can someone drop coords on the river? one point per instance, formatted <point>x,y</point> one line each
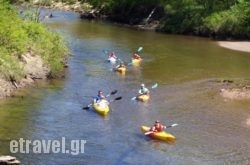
<point>211,130</point>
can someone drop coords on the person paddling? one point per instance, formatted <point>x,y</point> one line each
<point>136,56</point>
<point>112,55</point>
<point>100,96</point>
<point>143,90</point>
<point>158,127</point>
<point>100,99</point>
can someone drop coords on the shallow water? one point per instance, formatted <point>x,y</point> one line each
<point>211,130</point>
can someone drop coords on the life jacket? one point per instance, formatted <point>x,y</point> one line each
<point>159,127</point>
<point>112,55</point>
<point>136,56</point>
<point>99,97</point>
<point>143,91</point>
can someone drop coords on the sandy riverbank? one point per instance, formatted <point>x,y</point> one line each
<point>239,45</point>
<point>236,93</point>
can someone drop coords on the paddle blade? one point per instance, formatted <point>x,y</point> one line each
<point>85,108</point>
<point>118,98</point>
<point>173,125</point>
<point>133,98</point>
<point>113,92</point>
<point>154,86</point>
<point>139,49</point>
<point>105,52</point>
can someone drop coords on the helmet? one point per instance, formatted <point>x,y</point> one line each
<point>142,85</point>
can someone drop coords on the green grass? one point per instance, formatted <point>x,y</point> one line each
<point>18,36</point>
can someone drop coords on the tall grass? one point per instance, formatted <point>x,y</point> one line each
<point>18,36</point>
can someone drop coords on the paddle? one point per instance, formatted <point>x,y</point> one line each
<point>111,93</point>
<point>152,87</point>
<point>139,49</point>
<point>150,132</point>
<point>105,52</point>
<point>118,98</point>
<point>87,108</point>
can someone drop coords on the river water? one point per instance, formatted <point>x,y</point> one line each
<point>188,70</point>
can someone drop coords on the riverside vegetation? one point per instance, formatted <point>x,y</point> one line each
<point>28,50</point>
<point>219,19</point>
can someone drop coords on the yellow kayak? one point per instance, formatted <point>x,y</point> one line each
<point>101,107</point>
<point>121,70</point>
<point>158,135</point>
<point>143,98</point>
<point>136,61</point>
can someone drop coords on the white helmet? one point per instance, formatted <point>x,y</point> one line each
<point>142,85</point>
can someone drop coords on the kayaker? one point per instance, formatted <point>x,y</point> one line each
<point>103,102</point>
<point>112,55</point>
<point>143,90</point>
<point>100,96</point>
<point>136,56</point>
<point>158,127</point>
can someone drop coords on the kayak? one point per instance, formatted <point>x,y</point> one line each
<point>136,61</point>
<point>112,60</point>
<point>158,135</point>
<point>101,107</point>
<point>121,70</point>
<point>143,98</point>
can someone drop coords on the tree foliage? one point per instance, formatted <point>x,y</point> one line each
<point>217,18</point>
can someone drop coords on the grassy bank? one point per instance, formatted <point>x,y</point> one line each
<point>19,36</point>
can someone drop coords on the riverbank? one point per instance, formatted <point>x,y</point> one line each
<point>242,91</point>
<point>8,87</point>
<point>33,53</point>
<point>34,69</point>
<point>239,46</point>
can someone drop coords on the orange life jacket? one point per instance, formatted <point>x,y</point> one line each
<point>159,127</point>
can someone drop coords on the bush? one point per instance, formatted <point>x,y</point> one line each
<point>17,36</point>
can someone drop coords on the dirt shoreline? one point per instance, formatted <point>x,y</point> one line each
<point>34,69</point>
<point>242,92</point>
